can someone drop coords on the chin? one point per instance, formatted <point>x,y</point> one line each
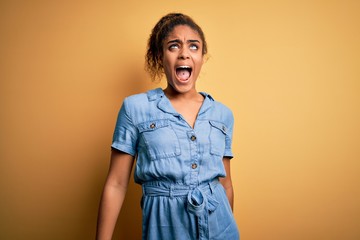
<point>183,87</point>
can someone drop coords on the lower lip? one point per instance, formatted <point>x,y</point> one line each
<point>183,81</point>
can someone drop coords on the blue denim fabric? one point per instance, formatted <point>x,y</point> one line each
<point>171,155</point>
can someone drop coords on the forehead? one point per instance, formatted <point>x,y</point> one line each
<point>183,32</point>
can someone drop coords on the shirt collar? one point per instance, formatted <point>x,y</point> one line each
<point>165,105</point>
<point>155,94</point>
<point>159,93</point>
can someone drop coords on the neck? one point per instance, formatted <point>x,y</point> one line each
<point>171,93</point>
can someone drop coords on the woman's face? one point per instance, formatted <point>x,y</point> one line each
<point>182,58</point>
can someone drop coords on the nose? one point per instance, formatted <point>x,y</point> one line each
<point>184,54</point>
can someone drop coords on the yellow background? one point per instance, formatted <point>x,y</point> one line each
<point>289,70</point>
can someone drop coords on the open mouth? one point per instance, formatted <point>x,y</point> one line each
<point>183,72</point>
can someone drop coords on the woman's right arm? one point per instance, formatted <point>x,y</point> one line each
<point>114,193</point>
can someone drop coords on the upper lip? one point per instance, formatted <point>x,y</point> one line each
<point>183,66</point>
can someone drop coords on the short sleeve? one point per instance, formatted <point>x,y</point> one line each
<point>229,134</point>
<point>125,135</point>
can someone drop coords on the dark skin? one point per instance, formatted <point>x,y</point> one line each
<point>183,47</point>
<point>114,193</point>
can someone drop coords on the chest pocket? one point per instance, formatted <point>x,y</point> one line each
<point>159,138</point>
<point>218,132</point>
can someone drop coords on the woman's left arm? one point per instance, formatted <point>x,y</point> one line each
<point>227,183</point>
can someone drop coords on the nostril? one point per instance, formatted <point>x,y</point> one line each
<point>184,56</point>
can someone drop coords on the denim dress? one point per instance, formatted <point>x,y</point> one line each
<point>178,166</point>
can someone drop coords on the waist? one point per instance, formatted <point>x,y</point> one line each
<point>169,189</point>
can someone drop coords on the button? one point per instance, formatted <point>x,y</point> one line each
<point>194,166</point>
<point>193,138</point>
<point>152,125</point>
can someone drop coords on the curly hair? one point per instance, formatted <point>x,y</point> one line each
<point>154,54</point>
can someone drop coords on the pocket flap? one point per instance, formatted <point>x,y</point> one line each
<point>152,125</point>
<point>219,126</point>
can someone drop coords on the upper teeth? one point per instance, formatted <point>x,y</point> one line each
<point>184,67</point>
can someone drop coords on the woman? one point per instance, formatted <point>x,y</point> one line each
<point>182,141</point>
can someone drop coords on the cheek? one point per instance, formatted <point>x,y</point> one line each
<point>165,62</point>
<point>199,61</point>
<point>167,67</point>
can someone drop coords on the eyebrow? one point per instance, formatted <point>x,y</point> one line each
<point>179,41</point>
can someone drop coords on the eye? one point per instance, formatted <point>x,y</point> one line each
<point>174,46</point>
<point>194,47</point>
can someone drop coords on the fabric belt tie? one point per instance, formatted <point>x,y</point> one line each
<point>200,201</point>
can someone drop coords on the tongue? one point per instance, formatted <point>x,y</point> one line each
<point>183,74</point>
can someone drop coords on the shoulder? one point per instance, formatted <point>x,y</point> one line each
<point>220,110</point>
<point>142,105</point>
<point>142,98</point>
<point>135,99</point>
<point>219,106</point>
<point>224,112</point>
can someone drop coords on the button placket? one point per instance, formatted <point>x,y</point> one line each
<point>194,155</point>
